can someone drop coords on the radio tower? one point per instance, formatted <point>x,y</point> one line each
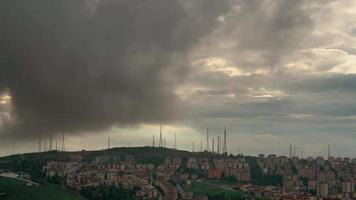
<point>213,146</point>
<point>175,140</point>
<point>160,137</point>
<point>50,143</point>
<point>45,144</point>
<point>201,145</point>
<point>39,144</point>
<point>59,142</point>
<point>207,139</point>
<point>224,146</point>
<point>218,145</point>
<point>290,150</point>
<point>63,147</point>
<point>193,146</point>
<point>109,143</point>
<point>153,141</point>
<point>328,150</point>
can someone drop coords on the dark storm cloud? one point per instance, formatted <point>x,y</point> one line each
<point>84,65</point>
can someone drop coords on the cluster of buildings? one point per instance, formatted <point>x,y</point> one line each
<point>237,168</point>
<point>149,181</point>
<point>163,175</point>
<point>274,192</point>
<point>105,171</point>
<point>318,177</point>
<point>310,178</point>
<point>219,168</point>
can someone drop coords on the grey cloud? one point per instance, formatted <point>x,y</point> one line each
<point>72,66</point>
<point>320,83</point>
<point>262,33</point>
<point>321,98</point>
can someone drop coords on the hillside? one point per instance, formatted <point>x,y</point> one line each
<point>142,155</point>
<point>33,162</point>
<point>18,190</point>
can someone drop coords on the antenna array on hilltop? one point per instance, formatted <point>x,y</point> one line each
<point>44,145</point>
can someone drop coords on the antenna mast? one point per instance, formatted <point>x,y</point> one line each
<point>160,136</point>
<point>63,148</point>
<point>50,143</point>
<point>213,146</point>
<point>201,145</point>
<point>39,144</point>
<point>218,145</point>
<point>224,146</point>
<point>193,146</point>
<point>175,140</point>
<point>207,139</point>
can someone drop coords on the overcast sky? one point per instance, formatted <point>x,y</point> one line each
<point>270,71</point>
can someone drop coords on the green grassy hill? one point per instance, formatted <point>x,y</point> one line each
<point>138,152</point>
<point>17,190</point>
<point>211,189</point>
<point>33,162</point>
